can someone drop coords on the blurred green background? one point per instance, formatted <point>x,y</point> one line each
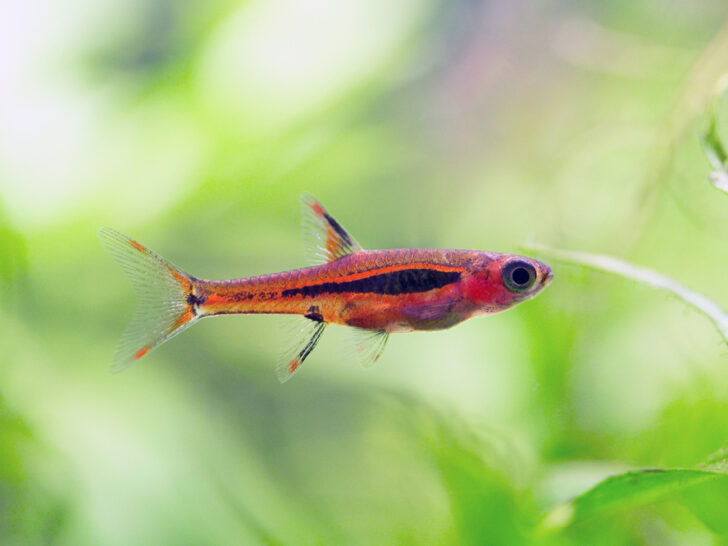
<point>194,127</point>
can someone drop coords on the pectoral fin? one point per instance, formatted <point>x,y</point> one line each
<point>369,345</point>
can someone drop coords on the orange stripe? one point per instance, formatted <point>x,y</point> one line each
<point>332,242</point>
<point>317,209</point>
<point>187,316</point>
<point>385,269</point>
<point>141,352</point>
<point>181,279</point>
<point>226,294</point>
<point>136,245</point>
<point>212,299</point>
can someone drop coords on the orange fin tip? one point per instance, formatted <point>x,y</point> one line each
<point>141,352</point>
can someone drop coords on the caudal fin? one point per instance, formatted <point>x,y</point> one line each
<point>163,290</point>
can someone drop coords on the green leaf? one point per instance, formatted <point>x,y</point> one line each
<point>701,490</point>
<point>713,146</point>
<point>708,502</point>
<point>716,154</point>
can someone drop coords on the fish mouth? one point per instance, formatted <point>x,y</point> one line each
<point>547,279</point>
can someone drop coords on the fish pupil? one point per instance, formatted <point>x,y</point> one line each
<point>520,276</point>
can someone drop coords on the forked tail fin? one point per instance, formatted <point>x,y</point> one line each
<point>163,289</point>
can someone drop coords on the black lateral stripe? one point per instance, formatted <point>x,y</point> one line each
<point>406,281</point>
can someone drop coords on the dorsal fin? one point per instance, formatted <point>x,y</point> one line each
<point>326,240</point>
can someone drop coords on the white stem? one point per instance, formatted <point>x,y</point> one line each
<point>643,275</point>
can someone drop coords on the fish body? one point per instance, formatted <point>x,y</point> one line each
<point>399,290</point>
<point>374,291</point>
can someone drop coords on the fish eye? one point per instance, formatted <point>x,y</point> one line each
<point>518,276</point>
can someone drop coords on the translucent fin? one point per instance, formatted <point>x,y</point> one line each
<point>308,333</point>
<point>163,290</point>
<point>325,239</point>
<point>369,345</point>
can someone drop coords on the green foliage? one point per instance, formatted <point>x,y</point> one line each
<point>194,128</point>
<point>713,146</point>
<point>641,487</point>
<point>703,490</point>
<point>14,255</point>
<point>32,510</point>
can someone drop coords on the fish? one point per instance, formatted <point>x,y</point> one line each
<point>373,292</point>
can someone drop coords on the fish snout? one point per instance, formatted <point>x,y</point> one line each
<point>547,276</point>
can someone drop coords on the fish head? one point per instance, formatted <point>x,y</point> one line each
<point>503,280</point>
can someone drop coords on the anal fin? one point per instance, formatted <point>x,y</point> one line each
<point>308,335</point>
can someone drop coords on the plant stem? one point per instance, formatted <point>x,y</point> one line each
<point>609,264</point>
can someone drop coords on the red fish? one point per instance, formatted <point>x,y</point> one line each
<point>376,292</point>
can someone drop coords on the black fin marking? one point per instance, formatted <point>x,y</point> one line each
<point>309,332</point>
<point>325,239</point>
